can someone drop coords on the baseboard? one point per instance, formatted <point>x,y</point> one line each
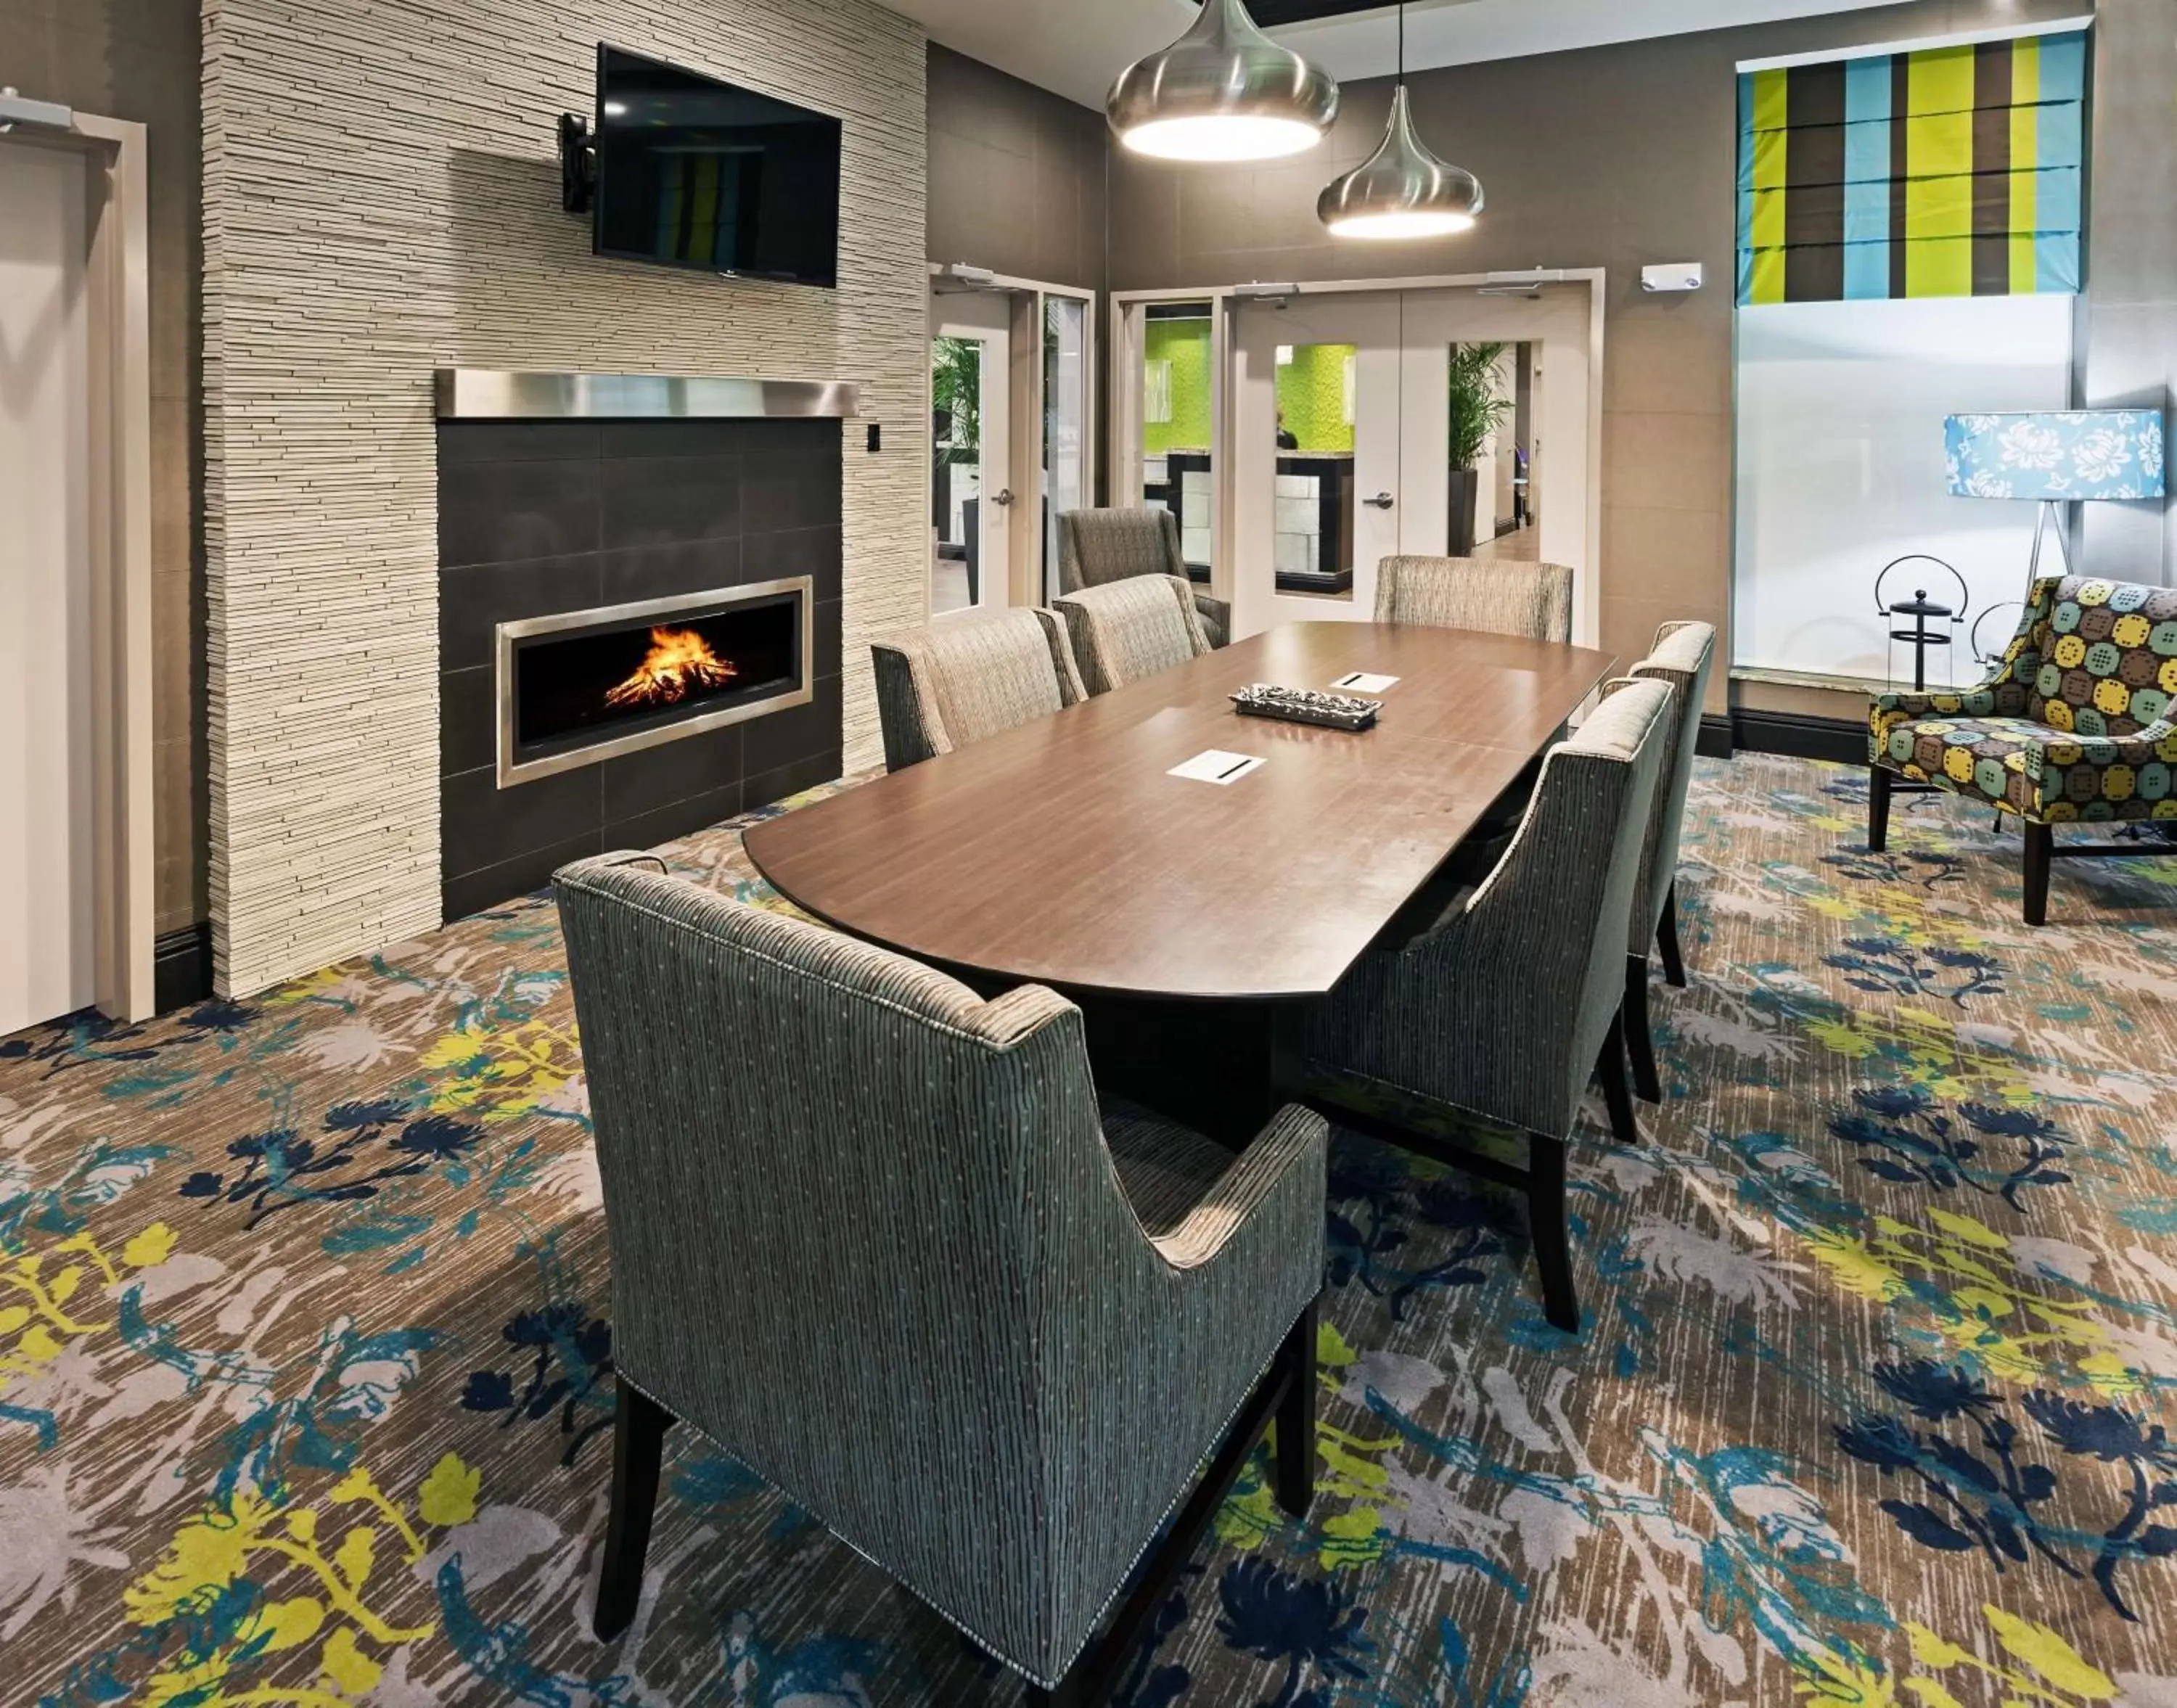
<point>1715,740</point>
<point>1840,741</point>
<point>181,967</point>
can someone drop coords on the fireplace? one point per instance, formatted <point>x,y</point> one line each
<point>580,687</point>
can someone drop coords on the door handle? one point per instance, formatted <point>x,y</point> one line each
<point>1004,495</point>
<point>1383,501</point>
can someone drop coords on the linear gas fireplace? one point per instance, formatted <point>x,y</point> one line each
<point>581,687</point>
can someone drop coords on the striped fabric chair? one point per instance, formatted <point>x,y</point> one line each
<point>1494,595</point>
<point>1096,545</point>
<point>969,677</point>
<point>1504,1005</point>
<point>871,1236</point>
<point>1683,655</point>
<point>1125,631</point>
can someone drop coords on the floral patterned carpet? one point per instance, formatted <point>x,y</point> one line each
<point>305,1351</point>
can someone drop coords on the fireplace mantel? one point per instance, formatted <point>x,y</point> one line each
<point>497,394</point>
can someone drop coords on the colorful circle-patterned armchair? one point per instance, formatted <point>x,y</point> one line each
<point>2073,725</point>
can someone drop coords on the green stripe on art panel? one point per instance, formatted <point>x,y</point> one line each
<point>2026,157</point>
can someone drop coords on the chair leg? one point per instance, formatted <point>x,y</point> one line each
<point>1552,1237</point>
<point>1878,809</point>
<point>1296,1453</point>
<point>1667,941</point>
<point>2039,840</point>
<point>1617,1095</point>
<point>639,1426</point>
<point>1640,1039</point>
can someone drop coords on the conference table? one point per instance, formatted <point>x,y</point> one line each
<point>1192,920</point>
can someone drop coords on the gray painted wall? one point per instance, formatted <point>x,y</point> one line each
<point>1016,175</point>
<point>2131,357</point>
<point>1615,156</point>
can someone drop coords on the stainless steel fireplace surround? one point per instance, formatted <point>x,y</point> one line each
<point>513,769</point>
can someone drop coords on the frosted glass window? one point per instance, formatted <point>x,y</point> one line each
<point>1840,469</point>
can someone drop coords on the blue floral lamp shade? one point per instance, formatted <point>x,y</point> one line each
<point>2057,456</point>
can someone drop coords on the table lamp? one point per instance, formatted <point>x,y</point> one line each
<point>2054,457</point>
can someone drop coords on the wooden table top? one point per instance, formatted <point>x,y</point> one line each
<point>1061,852</point>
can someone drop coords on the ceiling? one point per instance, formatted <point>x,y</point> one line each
<point>1078,46</point>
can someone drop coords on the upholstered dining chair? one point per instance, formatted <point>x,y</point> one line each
<point>1495,595</point>
<point>871,1236</point>
<point>1682,656</point>
<point>1096,545</point>
<point>1125,631</point>
<point>1505,1005</point>
<point>969,677</point>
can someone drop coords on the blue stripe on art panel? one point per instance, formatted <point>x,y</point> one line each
<point>1867,188</point>
<point>2056,270</point>
<point>2064,68</point>
<point>1745,142</point>
<point>2060,127</point>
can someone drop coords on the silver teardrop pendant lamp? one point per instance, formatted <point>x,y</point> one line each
<point>1223,91</point>
<point>1401,190</point>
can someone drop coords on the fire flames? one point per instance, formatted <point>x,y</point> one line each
<point>679,663</point>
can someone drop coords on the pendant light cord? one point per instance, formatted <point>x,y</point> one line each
<point>1402,43</point>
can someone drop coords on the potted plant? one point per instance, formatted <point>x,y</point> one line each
<point>1477,412</point>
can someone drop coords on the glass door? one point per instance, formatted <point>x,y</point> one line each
<point>971,412</point>
<point>1317,501</point>
<point>1066,484</point>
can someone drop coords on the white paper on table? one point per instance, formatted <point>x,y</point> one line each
<point>1217,766</point>
<point>1360,682</point>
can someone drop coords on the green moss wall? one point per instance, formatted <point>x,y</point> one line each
<point>1186,345</point>
<point>1312,395</point>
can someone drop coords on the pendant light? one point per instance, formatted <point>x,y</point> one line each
<point>1223,91</point>
<point>1401,190</point>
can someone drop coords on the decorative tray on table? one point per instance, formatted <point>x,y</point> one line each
<point>1308,706</point>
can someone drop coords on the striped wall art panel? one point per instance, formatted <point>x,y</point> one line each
<point>1949,171</point>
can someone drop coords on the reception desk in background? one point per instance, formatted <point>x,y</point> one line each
<point>1315,514</point>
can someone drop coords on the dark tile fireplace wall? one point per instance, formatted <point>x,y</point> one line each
<point>536,518</point>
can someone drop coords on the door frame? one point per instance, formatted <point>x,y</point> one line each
<point>1024,537</point>
<point>1126,426</point>
<point>118,272</point>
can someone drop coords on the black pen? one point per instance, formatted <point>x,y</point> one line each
<point>1230,769</point>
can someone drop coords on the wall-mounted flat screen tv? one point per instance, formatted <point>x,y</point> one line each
<point>694,172</point>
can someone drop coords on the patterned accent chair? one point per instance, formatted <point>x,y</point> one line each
<point>1125,631</point>
<point>1096,545</point>
<point>1493,595</point>
<point>1684,655</point>
<point>970,677</point>
<point>1504,1005</point>
<point>2071,726</point>
<point>871,1236</point>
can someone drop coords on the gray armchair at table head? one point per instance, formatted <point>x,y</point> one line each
<point>870,1236</point>
<point>1496,596</point>
<point>966,678</point>
<point>1682,658</point>
<point>1124,631</point>
<point>1507,1005</point>
<point>1096,545</point>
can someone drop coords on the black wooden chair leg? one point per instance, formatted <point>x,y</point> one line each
<point>1878,809</point>
<point>1617,1095</point>
<point>1666,941</point>
<point>1552,1236</point>
<point>2040,839</point>
<point>1297,1452</point>
<point>1640,1036</point>
<point>639,1426</point>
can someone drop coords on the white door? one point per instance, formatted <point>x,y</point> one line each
<point>1557,329</point>
<point>47,919</point>
<point>971,389</point>
<point>1316,500</point>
